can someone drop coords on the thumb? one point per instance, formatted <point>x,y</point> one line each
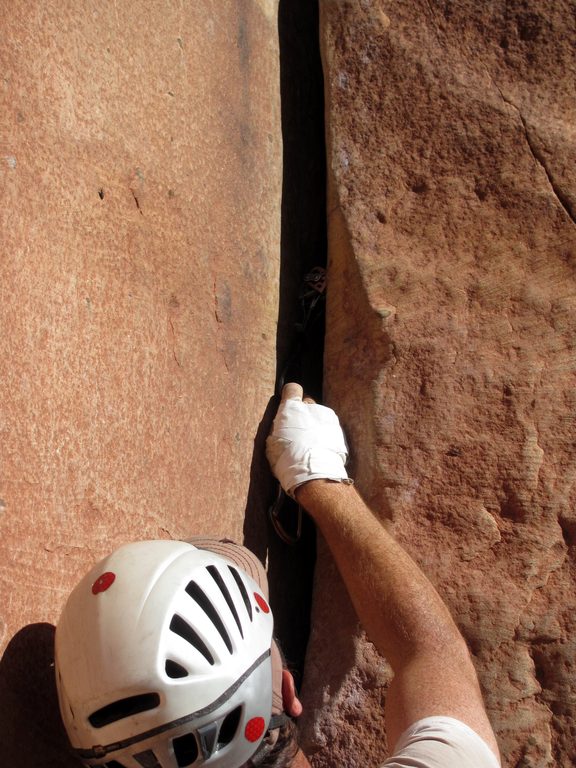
<point>292,391</point>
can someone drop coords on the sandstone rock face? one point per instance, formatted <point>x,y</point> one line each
<point>450,348</point>
<point>140,216</point>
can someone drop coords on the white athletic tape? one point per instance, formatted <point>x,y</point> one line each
<point>306,443</point>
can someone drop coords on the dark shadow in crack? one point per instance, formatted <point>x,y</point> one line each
<point>303,246</point>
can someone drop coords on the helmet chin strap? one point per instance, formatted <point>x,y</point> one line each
<point>268,743</point>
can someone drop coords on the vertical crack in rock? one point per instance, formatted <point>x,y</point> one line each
<point>303,235</point>
<point>222,299</point>
<point>137,203</point>
<point>538,155</point>
<point>215,294</point>
<point>303,246</point>
<point>178,363</point>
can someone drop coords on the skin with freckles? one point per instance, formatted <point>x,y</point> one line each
<point>404,616</point>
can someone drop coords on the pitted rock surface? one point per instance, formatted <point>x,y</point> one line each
<point>140,184</point>
<point>450,349</point>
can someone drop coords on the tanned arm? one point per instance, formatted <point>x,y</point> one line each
<point>402,613</point>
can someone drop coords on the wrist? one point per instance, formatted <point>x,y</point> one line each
<point>314,493</point>
<point>300,464</point>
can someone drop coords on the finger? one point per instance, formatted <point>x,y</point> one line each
<point>309,400</point>
<point>292,391</point>
<point>291,702</point>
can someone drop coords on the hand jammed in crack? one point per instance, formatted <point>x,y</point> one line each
<point>306,442</point>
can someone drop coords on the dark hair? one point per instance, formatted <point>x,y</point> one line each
<point>284,750</point>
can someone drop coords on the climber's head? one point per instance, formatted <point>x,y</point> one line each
<point>165,659</point>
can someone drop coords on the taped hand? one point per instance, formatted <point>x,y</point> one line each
<point>306,442</point>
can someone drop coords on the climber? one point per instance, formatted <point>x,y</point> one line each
<point>434,715</point>
<point>165,658</point>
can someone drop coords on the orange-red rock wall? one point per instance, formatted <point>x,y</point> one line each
<point>140,180</point>
<point>140,174</point>
<point>450,348</point>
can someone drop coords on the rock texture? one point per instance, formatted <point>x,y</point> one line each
<point>140,214</point>
<point>450,348</point>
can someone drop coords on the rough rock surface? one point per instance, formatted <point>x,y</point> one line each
<point>140,188</point>
<point>450,348</point>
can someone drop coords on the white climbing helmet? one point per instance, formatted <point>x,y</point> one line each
<point>163,661</point>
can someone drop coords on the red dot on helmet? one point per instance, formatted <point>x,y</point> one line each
<point>254,728</point>
<point>262,603</point>
<point>103,582</point>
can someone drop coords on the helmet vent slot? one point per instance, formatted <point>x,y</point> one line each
<point>175,670</point>
<point>229,727</point>
<point>213,571</point>
<point>114,764</point>
<point>123,708</point>
<point>182,628</point>
<point>242,588</point>
<point>185,749</point>
<point>204,602</point>
<point>147,759</point>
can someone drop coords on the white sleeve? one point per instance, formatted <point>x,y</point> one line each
<point>441,742</point>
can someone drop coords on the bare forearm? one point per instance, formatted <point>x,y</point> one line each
<point>397,605</point>
<point>402,613</point>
